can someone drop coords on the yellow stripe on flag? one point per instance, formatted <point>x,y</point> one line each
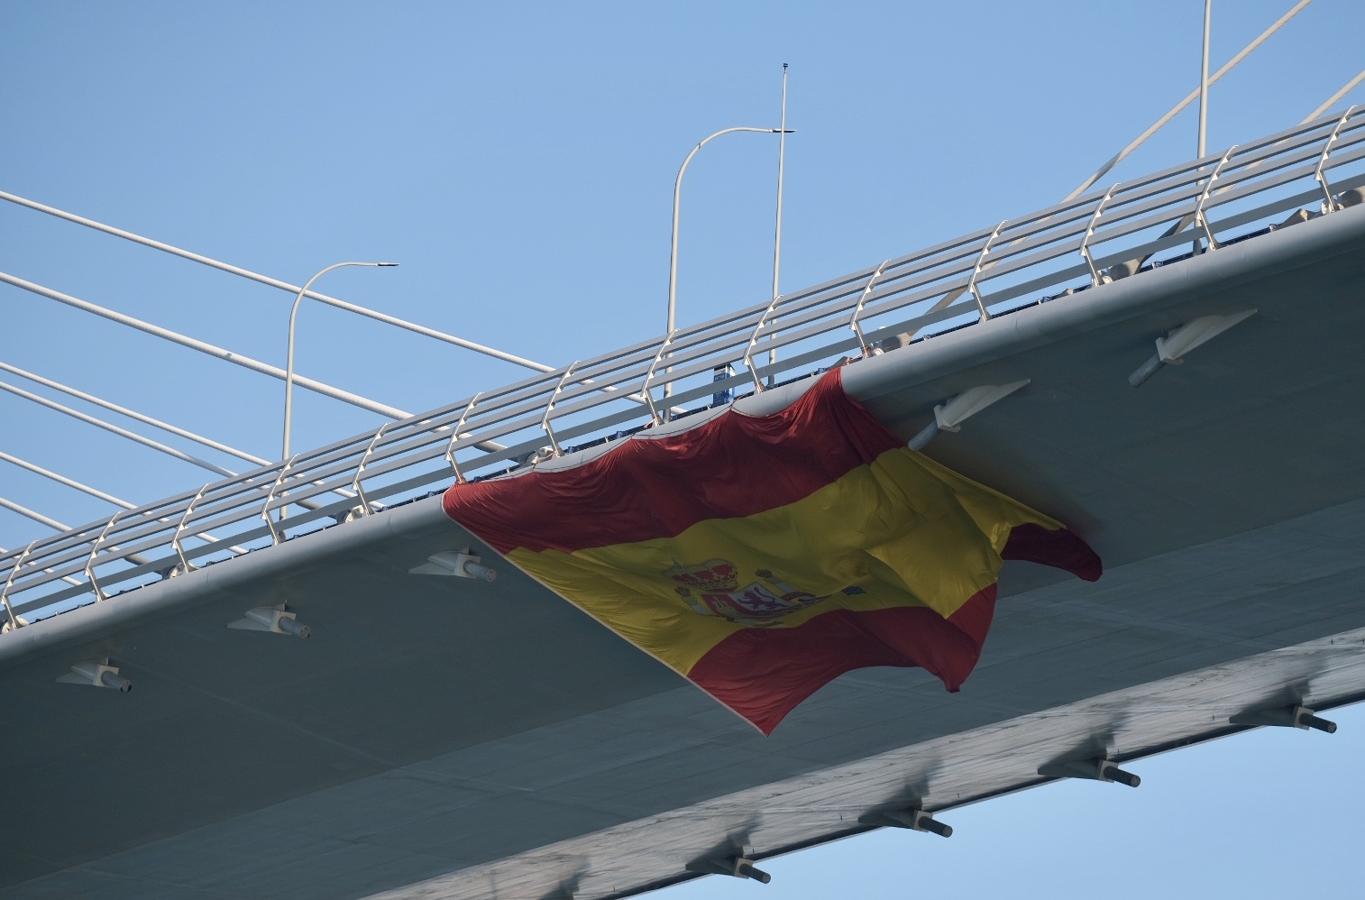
<point>900,531</point>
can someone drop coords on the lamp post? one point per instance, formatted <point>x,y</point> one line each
<point>1204,93</point>
<point>289,359</point>
<point>677,202</point>
<point>1204,81</point>
<point>777,228</point>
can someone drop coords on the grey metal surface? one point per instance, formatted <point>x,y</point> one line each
<point>445,738</point>
<point>981,275</point>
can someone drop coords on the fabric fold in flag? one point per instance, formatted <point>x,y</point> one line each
<point>763,556</point>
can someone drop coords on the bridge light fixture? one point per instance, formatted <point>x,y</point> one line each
<point>289,355</point>
<point>738,866</point>
<point>1172,349</point>
<point>950,415</point>
<point>95,673</point>
<point>1296,716</point>
<point>273,619</point>
<point>914,819</point>
<point>1101,769</point>
<point>455,564</point>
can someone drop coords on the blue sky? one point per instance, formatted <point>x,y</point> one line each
<point>518,161</point>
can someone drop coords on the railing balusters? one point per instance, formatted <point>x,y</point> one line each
<point>809,317</point>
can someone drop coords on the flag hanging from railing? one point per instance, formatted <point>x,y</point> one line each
<point>763,556</point>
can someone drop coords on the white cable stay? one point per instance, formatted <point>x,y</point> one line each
<point>1189,98</point>
<point>280,284</point>
<point>134,415</point>
<point>1332,100</point>
<point>115,429</point>
<point>1156,126</point>
<point>34,515</point>
<point>276,283</point>
<point>237,359</point>
<point>125,433</point>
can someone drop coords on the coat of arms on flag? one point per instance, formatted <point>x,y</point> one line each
<point>713,588</point>
<point>763,556</point>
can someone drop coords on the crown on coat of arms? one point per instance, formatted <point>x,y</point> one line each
<point>715,576</point>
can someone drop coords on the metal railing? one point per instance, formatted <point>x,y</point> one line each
<point>1044,256</point>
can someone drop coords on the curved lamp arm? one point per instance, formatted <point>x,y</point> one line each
<point>289,355</point>
<point>677,204</point>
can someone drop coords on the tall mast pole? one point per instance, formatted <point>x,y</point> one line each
<point>777,228</point>
<point>1204,92</point>
<point>1204,81</point>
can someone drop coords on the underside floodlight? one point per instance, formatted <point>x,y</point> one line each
<point>95,673</point>
<point>274,619</point>
<point>1094,769</point>
<point>914,819</point>
<point>455,564</point>
<point>1296,716</point>
<point>1172,349</point>
<point>734,866</point>
<point>949,416</point>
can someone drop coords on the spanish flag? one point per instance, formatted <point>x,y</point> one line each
<point>763,556</point>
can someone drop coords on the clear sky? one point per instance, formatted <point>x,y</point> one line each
<point>518,160</point>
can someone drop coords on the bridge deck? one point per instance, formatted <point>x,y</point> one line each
<point>463,740</point>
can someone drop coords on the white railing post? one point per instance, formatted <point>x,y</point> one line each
<point>1320,173</point>
<point>1095,278</point>
<point>853,322</point>
<point>94,550</point>
<point>275,533</point>
<point>976,270</point>
<point>753,341</point>
<point>549,408</point>
<point>455,436</point>
<point>1199,216</point>
<point>649,377</point>
<point>9,582</point>
<point>185,566</point>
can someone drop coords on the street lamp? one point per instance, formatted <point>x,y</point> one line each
<point>677,201</point>
<point>289,364</point>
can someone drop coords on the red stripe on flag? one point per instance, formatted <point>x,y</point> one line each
<point>763,673</point>
<point>1062,549</point>
<point>733,465</point>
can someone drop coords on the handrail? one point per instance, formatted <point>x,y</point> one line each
<point>550,408</point>
<point>980,275</point>
<point>854,325</point>
<point>1199,206</point>
<point>9,583</point>
<point>1322,161</point>
<point>94,551</point>
<point>1095,279</point>
<point>753,342</point>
